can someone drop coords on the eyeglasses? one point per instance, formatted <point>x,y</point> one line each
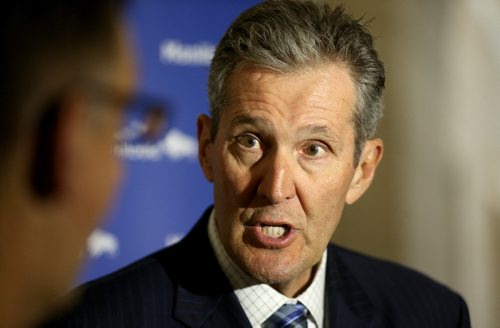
<point>144,118</point>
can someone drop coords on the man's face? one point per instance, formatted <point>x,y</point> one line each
<point>282,167</point>
<point>93,170</point>
<point>119,84</point>
<point>53,231</point>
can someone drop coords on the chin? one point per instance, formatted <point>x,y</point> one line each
<point>274,270</point>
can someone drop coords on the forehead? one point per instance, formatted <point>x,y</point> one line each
<point>126,63</point>
<point>324,92</point>
<point>121,69</point>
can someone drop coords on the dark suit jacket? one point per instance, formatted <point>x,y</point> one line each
<point>183,286</point>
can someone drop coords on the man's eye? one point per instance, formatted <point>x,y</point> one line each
<point>314,150</point>
<point>249,141</point>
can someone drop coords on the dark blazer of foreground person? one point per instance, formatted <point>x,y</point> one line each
<point>183,286</point>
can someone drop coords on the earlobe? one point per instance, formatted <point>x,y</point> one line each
<point>204,124</point>
<point>365,171</point>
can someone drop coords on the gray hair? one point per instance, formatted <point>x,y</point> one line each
<point>289,35</point>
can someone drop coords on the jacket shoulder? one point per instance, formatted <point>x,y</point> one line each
<point>384,273</point>
<point>138,295</point>
<point>401,293</point>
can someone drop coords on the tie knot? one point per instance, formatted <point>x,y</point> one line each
<point>289,316</point>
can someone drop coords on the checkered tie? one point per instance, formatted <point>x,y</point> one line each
<point>288,316</point>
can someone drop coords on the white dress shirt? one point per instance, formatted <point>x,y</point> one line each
<point>260,301</point>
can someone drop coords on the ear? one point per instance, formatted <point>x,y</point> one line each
<point>204,125</point>
<point>56,147</point>
<point>365,171</point>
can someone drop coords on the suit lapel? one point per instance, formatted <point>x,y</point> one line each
<point>196,310</point>
<point>204,297</point>
<point>347,303</point>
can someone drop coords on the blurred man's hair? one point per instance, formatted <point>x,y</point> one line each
<point>46,46</point>
<point>287,36</point>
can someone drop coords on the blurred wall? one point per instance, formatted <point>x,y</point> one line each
<point>435,204</point>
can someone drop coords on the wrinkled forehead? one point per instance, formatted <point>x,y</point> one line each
<point>317,98</point>
<point>327,86</point>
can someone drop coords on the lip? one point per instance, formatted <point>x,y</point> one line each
<point>254,236</point>
<point>270,221</point>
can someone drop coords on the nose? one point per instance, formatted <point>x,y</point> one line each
<point>277,181</point>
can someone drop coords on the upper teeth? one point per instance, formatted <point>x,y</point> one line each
<point>273,231</point>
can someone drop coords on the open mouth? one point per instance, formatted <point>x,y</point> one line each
<point>270,235</point>
<point>274,231</point>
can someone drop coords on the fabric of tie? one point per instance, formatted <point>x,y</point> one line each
<point>289,316</point>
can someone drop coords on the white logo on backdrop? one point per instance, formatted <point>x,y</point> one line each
<point>101,242</point>
<point>176,145</point>
<point>194,54</point>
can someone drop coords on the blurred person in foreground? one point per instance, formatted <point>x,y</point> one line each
<point>66,73</point>
<point>296,95</point>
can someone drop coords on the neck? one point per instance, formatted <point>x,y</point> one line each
<point>19,302</point>
<point>296,287</point>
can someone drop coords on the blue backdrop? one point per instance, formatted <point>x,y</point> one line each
<point>164,191</point>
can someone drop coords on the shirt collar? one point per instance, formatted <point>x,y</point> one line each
<point>260,301</point>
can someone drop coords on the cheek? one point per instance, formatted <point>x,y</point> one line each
<point>231,179</point>
<point>328,189</point>
<point>106,176</point>
<point>323,200</point>
<point>110,177</point>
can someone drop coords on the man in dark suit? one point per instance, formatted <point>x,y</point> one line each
<point>296,94</point>
<point>66,70</point>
